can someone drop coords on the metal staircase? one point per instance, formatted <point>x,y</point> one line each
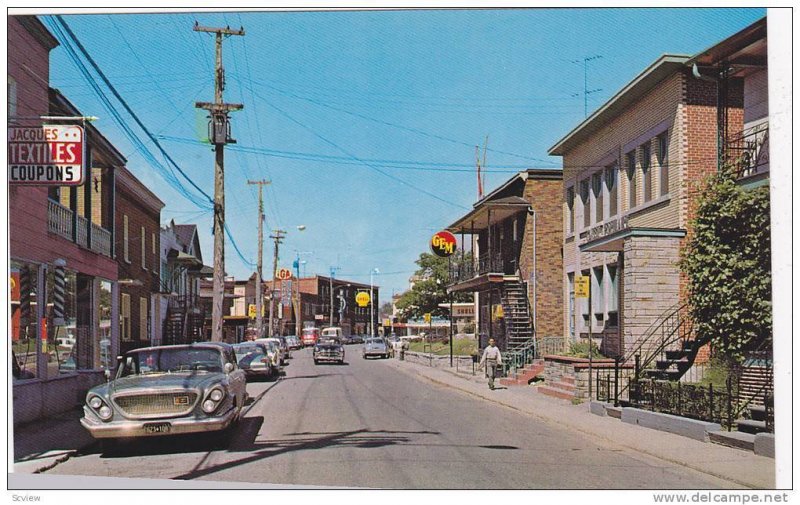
<point>183,324</point>
<point>520,333</point>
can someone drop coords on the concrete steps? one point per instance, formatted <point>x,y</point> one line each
<point>555,392</point>
<point>525,375</point>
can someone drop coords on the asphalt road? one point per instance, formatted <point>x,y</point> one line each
<point>365,424</point>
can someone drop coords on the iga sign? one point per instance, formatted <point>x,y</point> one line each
<point>47,155</point>
<point>443,244</point>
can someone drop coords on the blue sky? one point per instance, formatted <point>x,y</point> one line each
<point>366,122</point>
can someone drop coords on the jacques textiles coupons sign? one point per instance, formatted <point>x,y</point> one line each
<point>46,155</point>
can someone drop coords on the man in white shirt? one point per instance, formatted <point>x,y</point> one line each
<point>491,359</point>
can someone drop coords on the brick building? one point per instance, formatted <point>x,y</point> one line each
<point>632,175</point>
<point>58,359</point>
<point>515,240</point>
<point>314,305</point>
<point>138,220</point>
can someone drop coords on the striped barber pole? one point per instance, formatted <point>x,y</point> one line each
<point>24,297</point>
<point>59,287</point>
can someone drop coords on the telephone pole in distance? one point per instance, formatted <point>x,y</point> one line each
<point>278,238</point>
<point>259,273</point>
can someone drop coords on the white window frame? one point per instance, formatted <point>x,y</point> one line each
<point>125,248</point>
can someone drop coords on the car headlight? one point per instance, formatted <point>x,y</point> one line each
<point>98,405</point>
<point>213,400</point>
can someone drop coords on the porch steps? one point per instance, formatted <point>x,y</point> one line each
<point>555,392</point>
<point>525,375</point>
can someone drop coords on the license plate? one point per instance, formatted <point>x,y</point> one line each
<point>181,400</point>
<point>157,428</point>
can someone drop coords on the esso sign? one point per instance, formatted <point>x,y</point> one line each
<point>443,244</point>
<point>284,274</point>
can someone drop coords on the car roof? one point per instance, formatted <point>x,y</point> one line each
<point>195,345</point>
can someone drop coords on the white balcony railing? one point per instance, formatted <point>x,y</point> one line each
<point>101,240</point>
<point>83,231</point>
<point>59,221</point>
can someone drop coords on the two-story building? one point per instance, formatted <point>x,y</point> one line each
<point>56,357</point>
<point>514,236</point>
<point>138,217</point>
<point>633,172</point>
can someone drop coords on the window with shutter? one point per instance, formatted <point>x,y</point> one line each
<point>570,209</point>
<point>125,317</point>
<point>647,174</point>
<point>611,186</point>
<point>631,172</point>
<point>584,188</point>
<point>597,190</point>
<point>663,164</point>
<point>125,252</point>
<point>142,318</point>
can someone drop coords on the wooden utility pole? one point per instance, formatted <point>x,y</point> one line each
<point>259,276</point>
<point>278,238</point>
<point>219,134</point>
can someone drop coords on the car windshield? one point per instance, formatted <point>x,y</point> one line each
<point>374,341</point>
<point>171,360</point>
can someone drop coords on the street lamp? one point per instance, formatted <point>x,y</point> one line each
<point>372,303</point>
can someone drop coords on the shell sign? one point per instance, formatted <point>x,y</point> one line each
<point>443,244</point>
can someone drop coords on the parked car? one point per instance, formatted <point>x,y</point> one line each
<point>310,336</point>
<point>253,358</point>
<point>168,390</point>
<point>294,342</point>
<point>329,349</point>
<point>357,339</point>
<point>375,347</point>
<point>281,343</point>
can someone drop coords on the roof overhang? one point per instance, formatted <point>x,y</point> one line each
<point>479,283</point>
<point>747,47</point>
<point>615,242</point>
<point>489,212</point>
<point>659,70</point>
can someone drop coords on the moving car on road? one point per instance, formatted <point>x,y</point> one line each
<point>168,390</point>
<point>293,342</point>
<point>310,336</point>
<point>375,347</point>
<point>254,359</point>
<point>329,349</point>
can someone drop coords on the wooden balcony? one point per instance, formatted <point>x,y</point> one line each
<point>60,222</point>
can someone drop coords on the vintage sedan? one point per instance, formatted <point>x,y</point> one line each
<point>168,390</point>
<point>254,358</point>
<point>329,349</point>
<point>375,347</point>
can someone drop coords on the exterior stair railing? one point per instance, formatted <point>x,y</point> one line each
<point>518,353</point>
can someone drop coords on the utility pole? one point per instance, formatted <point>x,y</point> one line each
<point>278,238</point>
<point>259,276</point>
<point>586,91</point>
<point>333,272</point>
<point>219,134</point>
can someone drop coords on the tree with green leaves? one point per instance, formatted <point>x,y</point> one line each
<point>430,288</point>
<point>727,263</point>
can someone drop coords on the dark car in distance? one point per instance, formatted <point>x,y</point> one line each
<point>329,350</point>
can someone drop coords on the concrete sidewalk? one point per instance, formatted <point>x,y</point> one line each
<point>741,468</point>
<point>41,444</point>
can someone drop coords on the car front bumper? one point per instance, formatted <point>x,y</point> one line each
<point>329,357</point>
<point>136,428</point>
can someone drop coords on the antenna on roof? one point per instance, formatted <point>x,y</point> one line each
<point>479,165</point>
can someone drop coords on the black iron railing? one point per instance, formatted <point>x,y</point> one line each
<point>469,268</point>
<point>747,153</point>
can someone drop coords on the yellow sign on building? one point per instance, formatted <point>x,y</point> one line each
<point>581,286</point>
<point>427,317</point>
<point>251,311</point>
<point>362,299</point>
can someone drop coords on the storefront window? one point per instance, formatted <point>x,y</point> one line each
<point>23,280</point>
<point>571,298</point>
<point>103,354</point>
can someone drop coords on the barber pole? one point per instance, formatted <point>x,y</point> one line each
<point>59,286</point>
<point>24,297</point>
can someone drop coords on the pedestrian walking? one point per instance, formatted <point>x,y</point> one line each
<point>491,359</point>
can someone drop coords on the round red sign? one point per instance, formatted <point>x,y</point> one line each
<point>443,244</point>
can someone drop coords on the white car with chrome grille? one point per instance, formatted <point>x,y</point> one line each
<point>168,390</point>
